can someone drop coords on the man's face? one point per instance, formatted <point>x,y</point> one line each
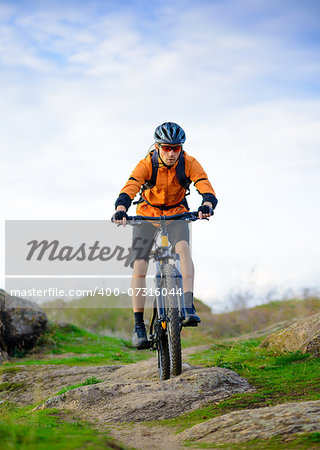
<point>169,153</point>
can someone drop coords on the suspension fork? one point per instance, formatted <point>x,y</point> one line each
<point>158,307</point>
<point>159,297</point>
<point>179,284</point>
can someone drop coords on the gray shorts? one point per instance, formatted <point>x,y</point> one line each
<point>144,235</point>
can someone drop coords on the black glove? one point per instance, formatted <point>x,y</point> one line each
<point>119,215</point>
<point>205,209</point>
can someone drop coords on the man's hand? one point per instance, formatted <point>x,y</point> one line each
<point>120,216</point>
<point>205,210</point>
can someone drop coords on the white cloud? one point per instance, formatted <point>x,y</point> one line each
<point>81,96</point>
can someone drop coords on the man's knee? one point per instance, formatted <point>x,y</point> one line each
<point>182,247</point>
<point>140,267</point>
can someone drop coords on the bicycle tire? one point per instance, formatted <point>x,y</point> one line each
<point>162,353</point>
<point>174,320</point>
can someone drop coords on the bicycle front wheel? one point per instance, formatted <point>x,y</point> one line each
<point>174,338</point>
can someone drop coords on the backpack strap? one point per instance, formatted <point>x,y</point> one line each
<point>152,182</point>
<point>184,181</point>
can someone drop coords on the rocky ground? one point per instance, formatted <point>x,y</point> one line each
<point>129,393</point>
<point>132,394</point>
<point>35,383</point>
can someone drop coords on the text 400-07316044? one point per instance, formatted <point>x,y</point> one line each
<point>139,291</point>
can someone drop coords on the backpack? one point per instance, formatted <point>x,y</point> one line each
<point>184,181</point>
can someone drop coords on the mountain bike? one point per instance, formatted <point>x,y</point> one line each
<point>169,307</point>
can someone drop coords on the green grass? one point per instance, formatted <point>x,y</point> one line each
<point>87,382</point>
<point>8,386</point>
<point>70,345</point>
<point>48,429</point>
<point>94,313</point>
<point>277,378</point>
<point>98,314</point>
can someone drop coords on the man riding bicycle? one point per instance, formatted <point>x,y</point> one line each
<point>164,175</point>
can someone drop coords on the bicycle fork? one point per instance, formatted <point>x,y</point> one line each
<point>179,284</point>
<point>156,329</point>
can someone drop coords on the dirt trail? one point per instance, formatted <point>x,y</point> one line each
<point>142,437</point>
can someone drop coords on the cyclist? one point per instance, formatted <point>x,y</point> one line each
<point>164,176</point>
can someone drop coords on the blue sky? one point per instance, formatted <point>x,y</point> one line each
<point>84,84</point>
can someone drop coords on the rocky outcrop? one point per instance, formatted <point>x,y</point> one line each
<point>303,335</point>
<point>3,353</point>
<point>134,396</point>
<point>264,423</point>
<point>35,383</point>
<point>21,323</point>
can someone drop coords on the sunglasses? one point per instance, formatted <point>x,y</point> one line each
<point>168,148</point>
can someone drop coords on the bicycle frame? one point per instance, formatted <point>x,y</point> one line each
<point>163,255</point>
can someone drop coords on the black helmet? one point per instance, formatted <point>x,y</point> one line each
<point>169,133</point>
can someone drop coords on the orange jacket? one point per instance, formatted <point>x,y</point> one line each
<point>167,190</point>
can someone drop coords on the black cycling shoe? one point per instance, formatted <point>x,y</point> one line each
<point>139,338</point>
<point>192,319</point>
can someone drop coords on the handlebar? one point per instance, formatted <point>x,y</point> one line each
<point>191,216</point>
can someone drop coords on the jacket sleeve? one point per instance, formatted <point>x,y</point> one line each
<point>200,180</point>
<point>140,174</point>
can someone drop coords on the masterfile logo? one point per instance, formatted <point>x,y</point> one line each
<point>42,247</point>
<point>48,259</point>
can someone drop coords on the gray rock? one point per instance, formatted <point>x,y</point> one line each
<point>133,394</point>
<point>21,323</point>
<point>263,423</point>
<point>35,383</point>
<point>3,356</point>
<point>303,335</point>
